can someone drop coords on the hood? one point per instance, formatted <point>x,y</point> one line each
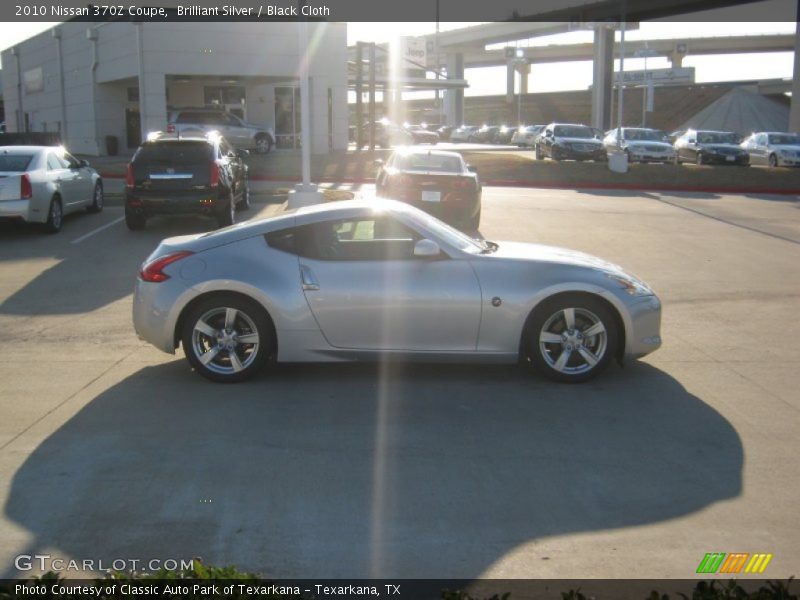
<point>552,254</point>
<point>640,143</point>
<point>579,140</point>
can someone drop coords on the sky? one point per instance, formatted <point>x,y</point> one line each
<point>569,75</point>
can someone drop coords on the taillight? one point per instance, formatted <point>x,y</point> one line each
<point>153,271</point>
<point>25,189</point>
<point>170,128</point>
<point>213,179</point>
<point>462,183</point>
<point>129,180</point>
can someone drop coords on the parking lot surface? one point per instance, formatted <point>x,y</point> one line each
<point>111,449</point>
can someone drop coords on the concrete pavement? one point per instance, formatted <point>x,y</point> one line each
<point>111,449</point>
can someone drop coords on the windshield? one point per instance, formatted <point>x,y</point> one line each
<point>443,231</point>
<point>15,163</point>
<point>715,137</point>
<point>785,139</point>
<point>429,162</point>
<point>642,135</point>
<point>573,131</point>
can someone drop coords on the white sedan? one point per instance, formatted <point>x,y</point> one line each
<point>41,184</point>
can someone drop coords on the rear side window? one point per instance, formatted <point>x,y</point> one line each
<point>199,118</point>
<point>177,153</point>
<point>15,163</point>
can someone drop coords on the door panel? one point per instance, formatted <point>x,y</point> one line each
<point>414,305</point>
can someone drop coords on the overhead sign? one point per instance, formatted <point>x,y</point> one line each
<point>657,76</point>
<point>413,50</point>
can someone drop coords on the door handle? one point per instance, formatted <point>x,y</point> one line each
<point>310,282</point>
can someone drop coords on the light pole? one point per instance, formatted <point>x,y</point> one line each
<point>519,62</point>
<point>647,88</point>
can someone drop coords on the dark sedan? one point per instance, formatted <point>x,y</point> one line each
<point>438,182</point>
<point>711,147</point>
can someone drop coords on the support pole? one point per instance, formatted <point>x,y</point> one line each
<point>359,95</point>
<point>794,107</point>
<point>372,97</point>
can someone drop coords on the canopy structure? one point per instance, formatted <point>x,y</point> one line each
<point>742,111</point>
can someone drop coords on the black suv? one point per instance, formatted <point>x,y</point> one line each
<point>173,174</point>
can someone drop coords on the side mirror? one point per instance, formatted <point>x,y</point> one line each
<point>241,153</point>
<point>472,168</point>
<point>426,248</point>
<point>378,162</point>
<point>548,134</point>
<point>83,163</point>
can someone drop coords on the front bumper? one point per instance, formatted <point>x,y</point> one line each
<point>644,333</point>
<point>651,156</point>
<point>570,152</point>
<point>726,159</point>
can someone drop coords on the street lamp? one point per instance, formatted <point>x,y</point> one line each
<point>519,61</point>
<point>648,85</point>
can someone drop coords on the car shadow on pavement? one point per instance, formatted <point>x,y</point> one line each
<point>353,470</point>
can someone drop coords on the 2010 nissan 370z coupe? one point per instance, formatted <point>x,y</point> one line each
<point>361,279</point>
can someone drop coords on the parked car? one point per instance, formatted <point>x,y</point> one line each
<point>438,182</point>
<point>640,144</point>
<point>772,148</point>
<point>41,184</point>
<point>421,135</point>
<point>388,134</point>
<point>237,132</point>
<point>487,134</point>
<point>526,135</point>
<point>444,132</point>
<point>711,147</point>
<point>504,135</point>
<point>561,141</point>
<point>363,279</point>
<point>465,133</point>
<point>171,174</point>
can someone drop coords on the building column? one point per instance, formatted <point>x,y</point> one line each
<point>603,77</point>
<point>454,99</point>
<point>510,82</point>
<point>794,107</point>
<point>524,71</point>
<point>152,89</point>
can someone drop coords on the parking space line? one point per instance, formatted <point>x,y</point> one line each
<point>98,230</point>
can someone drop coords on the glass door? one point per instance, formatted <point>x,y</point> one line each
<point>287,117</point>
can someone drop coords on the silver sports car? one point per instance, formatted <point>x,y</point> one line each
<point>363,279</point>
<point>41,184</point>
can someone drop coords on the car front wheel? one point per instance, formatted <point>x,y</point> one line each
<point>263,144</point>
<point>227,338</point>
<point>571,338</point>
<point>773,161</point>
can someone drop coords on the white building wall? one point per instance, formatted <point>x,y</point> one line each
<point>264,50</point>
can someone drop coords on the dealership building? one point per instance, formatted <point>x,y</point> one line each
<point>113,82</point>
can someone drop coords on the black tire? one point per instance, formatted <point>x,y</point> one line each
<point>699,159</point>
<point>134,221</point>
<point>263,143</point>
<point>474,221</point>
<point>221,337</point>
<point>227,212</point>
<point>550,319</point>
<point>98,198</point>
<point>55,216</point>
<point>773,161</point>
<point>244,201</point>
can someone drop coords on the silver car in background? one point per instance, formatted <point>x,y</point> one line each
<point>640,144</point>
<point>41,184</point>
<point>363,279</point>
<point>773,148</point>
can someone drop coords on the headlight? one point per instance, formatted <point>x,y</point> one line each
<point>631,285</point>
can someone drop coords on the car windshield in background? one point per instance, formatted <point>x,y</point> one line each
<point>573,131</point>
<point>181,153</point>
<point>15,163</point>
<point>712,137</point>
<point>429,162</point>
<point>785,139</point>
<point>642,135</point>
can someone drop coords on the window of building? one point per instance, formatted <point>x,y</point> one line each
<point>222,94</point>
<point>33,80</point>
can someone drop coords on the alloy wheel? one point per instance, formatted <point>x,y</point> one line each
<point>573,340</point>
<point>225,340</point>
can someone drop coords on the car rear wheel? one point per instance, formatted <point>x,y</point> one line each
<point>97,199</point>
<point>244,201</point>
<point>571,338</point>
<point>263,144</point>
<point>55,216</point>
<point>227,212</point>
<point>134,221</point>
<point>227,338</point>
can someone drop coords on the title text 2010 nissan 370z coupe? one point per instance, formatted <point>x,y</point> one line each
<point>362,279</point>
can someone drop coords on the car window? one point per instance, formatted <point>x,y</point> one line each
<point>714,137</point>
<point>429,162</point>
<point>15,163</point>
<point>363,238</point>
<point>642,135</point>
<point>174,153</point>
<point>72,162</point>
<point>784,138</point>
<point>54,163</point>
<point>574,131</point>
